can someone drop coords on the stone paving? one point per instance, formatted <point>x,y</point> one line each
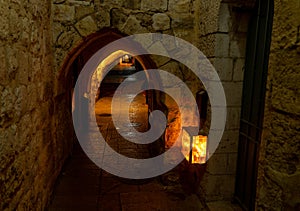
<point>84,186</point>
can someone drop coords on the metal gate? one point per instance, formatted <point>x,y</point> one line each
<point>255,77</point>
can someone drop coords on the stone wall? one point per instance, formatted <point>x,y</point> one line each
<point>74,20</point>
<point>30,154</point>
<point>279,167</point>
<point>218,28</point>
<point>223,31</point>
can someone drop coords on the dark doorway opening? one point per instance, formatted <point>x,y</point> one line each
<point>254,88</point>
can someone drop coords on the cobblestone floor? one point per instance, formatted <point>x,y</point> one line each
<point>84,186</point>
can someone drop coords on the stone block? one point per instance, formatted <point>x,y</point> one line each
<point>4,23</point>
<point>222,45</point>
<point>229,142</point>
<point>220,163</point>
<point>182,21</point>
<point>63,13</point>
<point>218,187</point>
<point>133,26</point>
<point>224,67</point>
<point>209,13</point>
<point>86,26</point>
<point>179,6</point>
<point>155,5</point>
<point>3,67</point>
<point>159,49</point>
<point>12,62</point>
<point>283,99</point>
<point>185,34</point>
<point>224,18</point>
<point>233,92</point>
<point>67,39</point>
<point>238,69</point>
<point>238,47</point>
<point>132,4</point>
<point>207,45</point>
<point>173,68</point>
<point>80,2</point>
<point>233,118</point>
<point>22,74</point>
<point>102,18</point>
<point>118,17</point>
<point>161,22</point>
<point>83,11</point>
<point>160,60</point>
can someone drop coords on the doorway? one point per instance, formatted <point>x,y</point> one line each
<point>254,88</point>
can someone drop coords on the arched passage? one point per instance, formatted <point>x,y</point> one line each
<point>79,56</point>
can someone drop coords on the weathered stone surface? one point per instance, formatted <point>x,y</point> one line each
<point>81,12</point>
<point>67,39</point>
<point>224,18</point>
<point>155,5</point>
<point>173,68</point>
<point>179,6</point>
<point>13,63</point>
<point>233,118</point>
<point>133,26</point>
<point>216,184</point>
<point>222,46</point>
<point>233,92</point>
<point>229,142</point>
<point>3,73</point>
<point>26,157</point>
<point>118,17</point>
<point>161,22</point>
<point>224,67</point>
<point>238,69</point>
<point>132,4</point>
<point>222,163</point>
<point>102,18</point>
<point>160,60</point>
<point>279,152</point>
<point>86,26</point>
<point>4,23</point>
<point>183,21</point>
<point>185,34</point>
<point>238,46</point>
<point>209,14</point>
<point>63,13</point>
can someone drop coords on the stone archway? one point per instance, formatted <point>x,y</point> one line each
<point>78,57</point>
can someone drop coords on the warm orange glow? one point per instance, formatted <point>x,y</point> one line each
<point>199,149</point>
<point>126,60</point>
<point>199,145</point>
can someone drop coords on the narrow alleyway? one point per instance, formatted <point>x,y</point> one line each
<point>84,186</point>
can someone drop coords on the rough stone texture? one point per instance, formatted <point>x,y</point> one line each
<point>180,6</point>
<point>155,5</point>
<point>279,166</point>
<point>128,17</point>
<point>161,22</point>
<point>222,40</point>
<point>133,26</point>
<point>32,109</point>
<point>86,26</point>
<point>31,148</point>
<point>224,67</point>
<point>63,13</point>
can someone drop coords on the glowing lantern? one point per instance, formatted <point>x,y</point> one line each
<point>194,146</point>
